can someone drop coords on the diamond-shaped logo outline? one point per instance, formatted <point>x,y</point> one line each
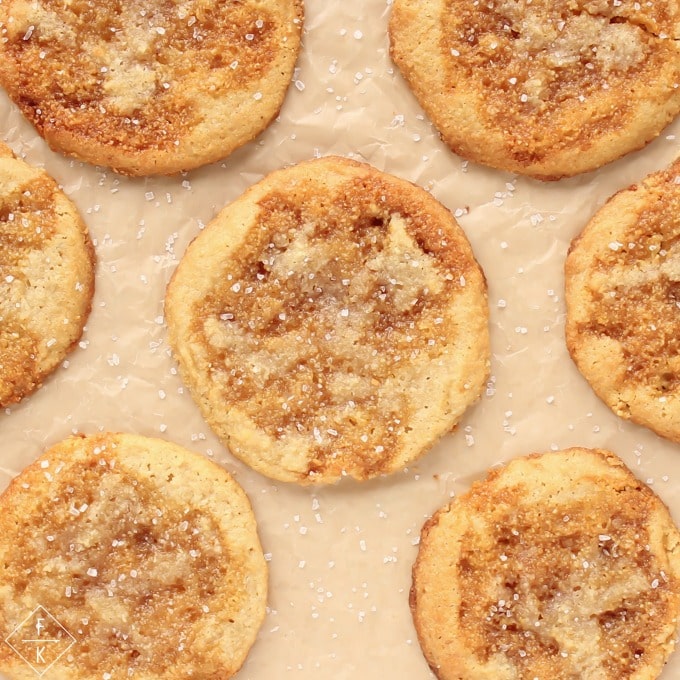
<point>39,671</point>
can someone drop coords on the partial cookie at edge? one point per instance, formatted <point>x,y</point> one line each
<point>46,277</point>
<point>146,553</point>
<point>540,88</point>
<point>623,297</point>
<point>149,88</point>
<point>556,565</point>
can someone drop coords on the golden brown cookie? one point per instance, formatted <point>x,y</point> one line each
<point>146,554</point>
<point>331,321</point>
<point>149,87</point>
<point>557,566</point>
<point>623,302</point>
<point>46,277</point>
<point>541,88</point>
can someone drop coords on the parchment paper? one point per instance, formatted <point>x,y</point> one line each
<point>340,557</point>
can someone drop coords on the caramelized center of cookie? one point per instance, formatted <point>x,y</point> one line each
<point>540,58</point>
<point>563,584</point>
<point>337,304</point>
<point>125,570</point>
<point>131,71</point>
<point>635,292</point>
<point>27,217</point>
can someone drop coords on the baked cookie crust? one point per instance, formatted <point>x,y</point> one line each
<point>623,298</point>
<point>146,553</point>
<point>46,277</point>
<point>330,322</point>
<point>561,565</point>
<point>149,87</point>
<point>541,88</point>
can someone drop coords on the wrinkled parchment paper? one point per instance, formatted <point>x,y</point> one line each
<point>340,557</point>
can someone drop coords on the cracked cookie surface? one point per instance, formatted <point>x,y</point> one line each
<point>146,553</point>
<point>149,88</point>
<point>623,302</point>
<point>541,88</point>
<point>332,321</point>
<point>46,277</point>
<point>561,565</point>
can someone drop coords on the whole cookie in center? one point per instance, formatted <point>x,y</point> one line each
<point>331,321</point>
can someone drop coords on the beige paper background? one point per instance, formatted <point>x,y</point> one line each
<point>340,557</point>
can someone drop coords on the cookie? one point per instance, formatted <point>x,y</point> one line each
<point>622,295</point>
<point>539,88</point>
<point>46,277</point>
<point>141,555</point>
<point>149,87</point>
<point>330,322</point>
<point>560,565</point>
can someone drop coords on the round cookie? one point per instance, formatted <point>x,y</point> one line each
<point>331,321</point>
<point>46,277</point>
<point>143,552</point>
<point>149,87</point>
<point>561,565</point>
<point>622,295</point>
<point>541,88</point>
